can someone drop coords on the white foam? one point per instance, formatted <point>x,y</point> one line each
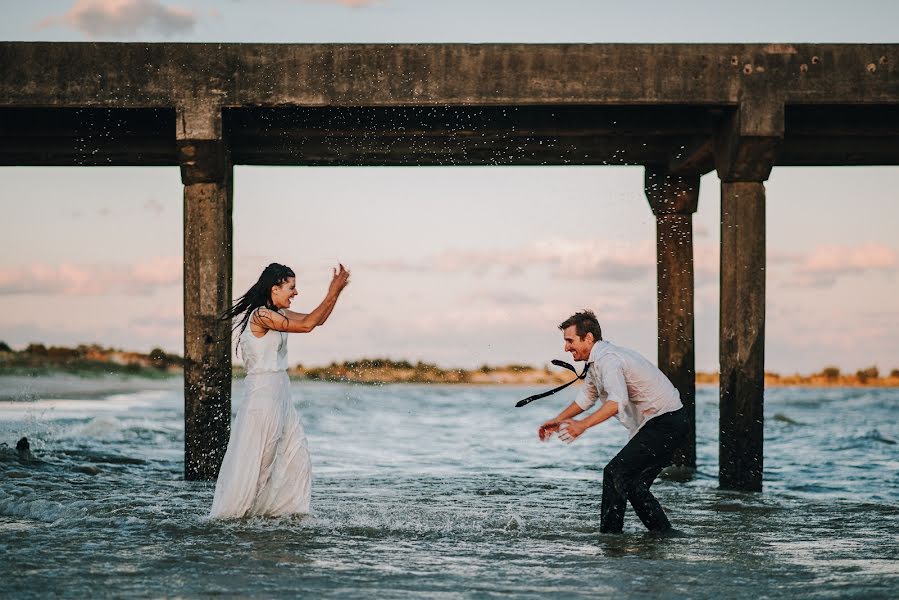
<point>37,509</point>
<point>104,427</point>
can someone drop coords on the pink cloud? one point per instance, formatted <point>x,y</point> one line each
<point>122,18</point>
<point>164,322</point>
<point>583,259</point>
<point>92,280</point>
<point>593,259</point>
<point>842,258</point>
<point>826,264</point>
<point>706,263</point>
<point>480,313</point>
<point>154,206</point>
<point>602,261</point>
<point>630,261</point>
<point>163,270</point>
<point>349,3</point>
<point>626,261</point>
<point>820,328</point>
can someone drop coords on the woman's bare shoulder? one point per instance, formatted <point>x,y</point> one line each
<point>265,318</point>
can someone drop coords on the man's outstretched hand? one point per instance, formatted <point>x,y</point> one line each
<point>545,431</point>
<point>570,430</point>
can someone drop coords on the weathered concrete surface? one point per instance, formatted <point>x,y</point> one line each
<point>450,104</point>
<point>673,200</point>
<point>206,172</point>
<point>207,340</point>
<point>742,335</point>
<point>748,140</point>
<point>143,75</point>
<point>746,148</point>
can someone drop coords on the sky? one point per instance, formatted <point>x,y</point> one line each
<point>455,265</point>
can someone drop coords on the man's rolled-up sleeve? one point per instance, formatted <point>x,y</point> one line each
<point>588,393</point>
<point>613,380</point>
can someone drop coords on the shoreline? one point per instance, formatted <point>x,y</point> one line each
<point>113,366</point>
<point>55,384</point>
<point>60,385</point>
<point>384,371</point>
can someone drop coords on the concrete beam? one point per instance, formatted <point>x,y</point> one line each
<point>673,200</point>
<point>680,136</point>
<point>208,187</point>
<point>161,75</point>
<point>696,157</point>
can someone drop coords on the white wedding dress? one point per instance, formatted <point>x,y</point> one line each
<point>266,469</point>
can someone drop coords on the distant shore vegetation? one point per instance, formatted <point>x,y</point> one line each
<point>87,360</point>
<point>385,370</point>
<point>95,360</point>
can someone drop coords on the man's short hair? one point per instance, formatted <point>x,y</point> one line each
<point>584,322</point>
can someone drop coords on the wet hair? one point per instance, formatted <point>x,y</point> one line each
<point>258,296</point>
<point>584,322</point>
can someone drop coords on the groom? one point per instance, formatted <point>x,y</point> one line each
<point>632,389</point>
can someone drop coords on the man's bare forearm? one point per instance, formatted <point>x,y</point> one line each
<point>606,411</point>
<point>573,410</point>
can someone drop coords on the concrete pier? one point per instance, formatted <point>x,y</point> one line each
<point>680,110</point>
<point>742,335</point>
<point>747,145</point>
<point>674,199</point>
<point>207,174</point>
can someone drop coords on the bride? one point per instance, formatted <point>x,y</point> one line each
<point>266,469</point>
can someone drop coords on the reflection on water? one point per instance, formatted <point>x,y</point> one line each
<point>437,491</point>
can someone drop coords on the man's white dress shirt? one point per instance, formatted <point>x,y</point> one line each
<point>621,375</point>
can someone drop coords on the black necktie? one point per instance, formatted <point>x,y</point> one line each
<point>558,363</point>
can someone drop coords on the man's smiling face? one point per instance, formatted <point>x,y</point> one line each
<point>580,347</point>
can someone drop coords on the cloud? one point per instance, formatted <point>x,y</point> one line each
<point>620,261</point>
<point>398,265</point>
<point>154,206</point>
<point>826,264</point>
<point>585,259</point>
<point>500,297</point>
<point>349,3</point>
<point>624,262</point>
<point>821,267</point>
<point>164,323</point>
<point>701,232</point>
<point>167,270</point>
<point>92,280</point>
<point>122,18</point>
<point>819,335</point>
<point>486,312</point>
<point>706,263</point>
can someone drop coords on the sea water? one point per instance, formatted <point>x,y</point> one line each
<point>442,492</point>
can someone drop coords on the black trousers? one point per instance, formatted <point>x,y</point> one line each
<point>629,475</point>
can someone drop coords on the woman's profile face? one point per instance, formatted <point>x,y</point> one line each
<point>282,294</point>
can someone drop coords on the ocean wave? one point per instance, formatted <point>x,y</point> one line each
<point>35,508</point>
<point>869,439</point>
<point>105,427</point>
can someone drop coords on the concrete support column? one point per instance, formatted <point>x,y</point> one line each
<point>742,335</point>
<point>674,199</point>
<point>746,148</point>
<point>207,174</point>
